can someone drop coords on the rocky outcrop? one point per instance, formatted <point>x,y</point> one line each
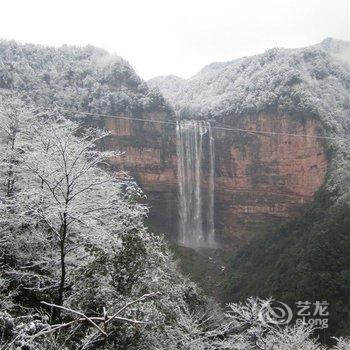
<point>260,179</point>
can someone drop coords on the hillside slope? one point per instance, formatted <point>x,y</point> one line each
<point>78,78</point>
<point>308,80</point>
<point>307,259</point>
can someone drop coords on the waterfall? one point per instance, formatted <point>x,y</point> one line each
<point>211,187</point>
<point>196,206</point>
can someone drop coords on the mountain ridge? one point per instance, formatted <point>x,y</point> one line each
<point>278,78</point>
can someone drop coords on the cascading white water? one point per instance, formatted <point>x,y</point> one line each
<point>211,187</point>
<point>196,225</point>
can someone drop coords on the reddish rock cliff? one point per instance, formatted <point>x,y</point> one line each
<point>260,179</point>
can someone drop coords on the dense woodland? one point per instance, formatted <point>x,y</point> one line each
<point>79,267</point>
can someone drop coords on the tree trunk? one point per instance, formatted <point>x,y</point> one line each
<point>10,174</point>
<point>63,273</point>
<point>63,235</point>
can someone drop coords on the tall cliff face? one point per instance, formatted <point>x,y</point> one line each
<point>260,179</point>
<point>148,154</point>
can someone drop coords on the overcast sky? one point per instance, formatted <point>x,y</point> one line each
<point>160,37</point>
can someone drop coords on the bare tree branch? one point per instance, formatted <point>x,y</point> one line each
<point>105,319</point>
<point>77,313</point>
<point>142,298</point>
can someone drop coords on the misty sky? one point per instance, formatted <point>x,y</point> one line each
<point>160,37</point>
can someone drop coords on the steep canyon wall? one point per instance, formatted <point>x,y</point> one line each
<point>260,179</point>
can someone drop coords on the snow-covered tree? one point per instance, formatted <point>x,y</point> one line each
<point>67,190</point>
<point>342,344</point>
<point>255,325</point>
<point>14,115</point>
